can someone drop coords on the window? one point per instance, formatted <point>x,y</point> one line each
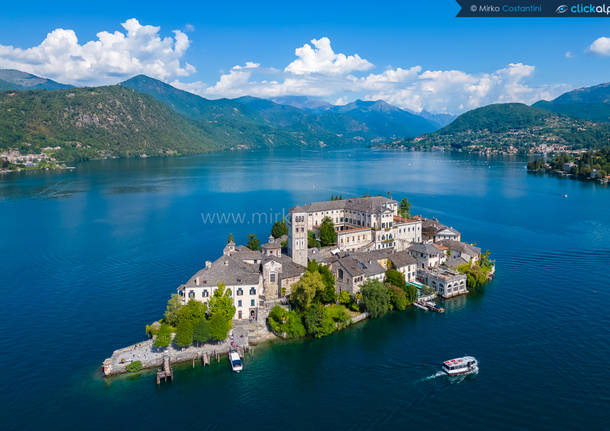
<point>340,274</point>
<point>205,293</point>
<point>272,277</point>
<point>252,302</point>
<point>253,290</point>
<point>239,303</point>
<point>240,291</point>
<point>191,294</point>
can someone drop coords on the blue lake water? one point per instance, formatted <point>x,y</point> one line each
<point>89,257</point>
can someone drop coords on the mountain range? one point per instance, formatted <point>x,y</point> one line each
<point>145,116</point>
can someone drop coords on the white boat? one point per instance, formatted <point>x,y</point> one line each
<point>460,366</point>
<point>235,361</point>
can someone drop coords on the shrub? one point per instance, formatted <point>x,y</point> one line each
<point>294,327</point>
<point>339,314</point>
<point>134,367</point>
<point>375,298</point>
<point>153,329</point>
<point>286,323</point>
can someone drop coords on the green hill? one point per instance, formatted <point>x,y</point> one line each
<point>512,125</point>
<point>591,103</point>
<point>111,121</point>
<point>11,79</point>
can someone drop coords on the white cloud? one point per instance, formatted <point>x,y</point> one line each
<point>322,59</point>
<point>111,57</point>
<point>454,91</point>
<point>600,46</point>
<point>569,54</point>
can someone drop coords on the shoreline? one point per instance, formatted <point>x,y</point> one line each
<point>151,358</point>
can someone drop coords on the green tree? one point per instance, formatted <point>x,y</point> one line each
<point>164,336</point>
<point>328,236</point>
<point>279,228</point>
<point>410,293</point>
<point>318,321</point>
<point>395,278</point>
<point>345,298</point>
<point>171,311</point>
<point>219,327</point>
<point>184,334</point>
<point>253,242</point>
<point>201,331</point>
<point>475,275</point>
<point>375,298</point>
<point>328,295</point>
<point>398,298</point>
<point>304,291</point>
<point>221,304</point>
<point>405,208</point>
<point>312,241</point>
<point>191,312</point>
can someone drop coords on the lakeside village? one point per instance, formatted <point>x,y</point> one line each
<point>328,265</point>
<point>14,161</point>
<point>583,165</point>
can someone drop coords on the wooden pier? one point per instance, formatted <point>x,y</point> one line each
<point>166,371</point>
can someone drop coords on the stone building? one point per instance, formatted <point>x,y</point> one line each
<point>433,231</point>
<point>367,223</point>
<point>427,255</point>
<point>446,282</point>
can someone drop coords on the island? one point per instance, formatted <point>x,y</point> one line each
<point>326,266</point>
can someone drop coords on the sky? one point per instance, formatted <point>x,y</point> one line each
<point>415,55</point>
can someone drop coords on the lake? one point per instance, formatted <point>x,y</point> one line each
<point>90,256</point>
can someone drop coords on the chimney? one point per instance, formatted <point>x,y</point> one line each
<point>208,264</point>
<point>197,281</point>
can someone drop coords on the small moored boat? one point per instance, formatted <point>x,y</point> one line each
<point>235,361</point>
<point>460,366</point>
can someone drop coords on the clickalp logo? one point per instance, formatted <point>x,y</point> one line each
<point>561,9</point>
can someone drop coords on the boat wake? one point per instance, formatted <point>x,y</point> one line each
<point>433,376</point>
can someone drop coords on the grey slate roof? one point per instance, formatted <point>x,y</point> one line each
<point>426,248</point>
<point>226,269</point>
<point>369,204</point>
<point>402,259</point>
<point>455,261</point>
<point>244,252</point>
<point>357,267</point>
<point>462,247</point>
